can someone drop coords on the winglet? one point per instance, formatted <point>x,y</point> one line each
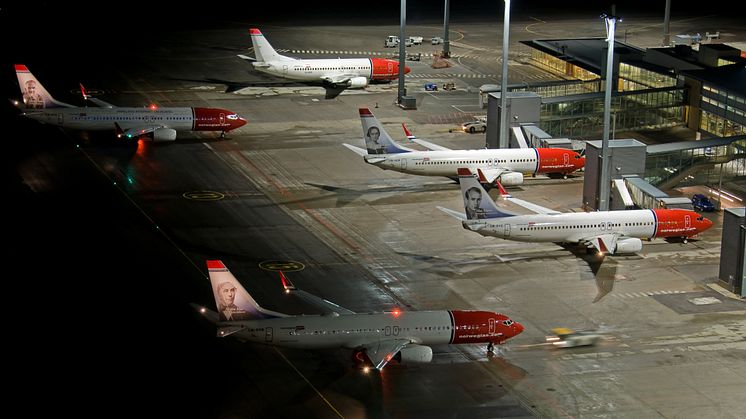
<point>483,179</point>
<point>120,133</point>
<point>503,192</point>
<point>286,283</point>
<point>406,131</point>
<point>83,92</point>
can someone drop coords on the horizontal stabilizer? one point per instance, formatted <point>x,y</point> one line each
<point>229,330</point>
<point>455,214</point>
<point>246,57</point>
<point>357,150</point>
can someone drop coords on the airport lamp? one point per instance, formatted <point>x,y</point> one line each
<point>605,176</point>
<point>503,138</point>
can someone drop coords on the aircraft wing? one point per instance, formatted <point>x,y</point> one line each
<point>455,214</point>
<point>325,305</point>
<point>380,353</point>
<point>430,145</point>
<point>533,207</point>
<point>138,131</point>
<point>525,204</point>
<point>605,243</point>
<point>426,144</point>
<point>489,176</point>
<point>337,78</point>
<point>98,102</point>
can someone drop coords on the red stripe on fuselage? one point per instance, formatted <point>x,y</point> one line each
<point>558,160</point>
<point>474,327</point>
<point>679,223</point>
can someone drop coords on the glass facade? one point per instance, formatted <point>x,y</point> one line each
<point>564,88</point>
<point>583,117</point>
<point>558,65</point>
<point>722,113</point>
<point>636,78</point>
<point>698,166</point>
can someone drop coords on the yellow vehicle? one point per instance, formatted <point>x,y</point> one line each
<point>568,338</point>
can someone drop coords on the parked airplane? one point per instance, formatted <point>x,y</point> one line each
<point>379,337</point>
<point>505,165</point>
<point>153,123</point>
<point>605,231</point>
<point>339,72</point>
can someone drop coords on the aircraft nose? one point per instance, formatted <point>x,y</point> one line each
<point>707,224</point>
<point>517,328</point>
<point>407,70</point>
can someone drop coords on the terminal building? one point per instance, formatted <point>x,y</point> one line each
<point>702,89</point>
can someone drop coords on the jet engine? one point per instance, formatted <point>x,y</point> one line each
<point>415,354</point>
<point>164,134</point>
<point>357,82</point>
<point>628,245</point>
<point>511,178</point>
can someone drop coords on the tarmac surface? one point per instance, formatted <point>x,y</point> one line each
<point>282,188</point>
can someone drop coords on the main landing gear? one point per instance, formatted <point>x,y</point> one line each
<point>222,134</point>
<point>490,347</point>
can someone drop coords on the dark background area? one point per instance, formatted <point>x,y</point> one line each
<point>98,322</point>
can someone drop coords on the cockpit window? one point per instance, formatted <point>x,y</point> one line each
<point>507,322</point>
<point>700,218</point>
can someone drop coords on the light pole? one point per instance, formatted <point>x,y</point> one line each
<point>605,177</point>
<point>503,139</point>
<point>402,51</point>
<point>446,42</point>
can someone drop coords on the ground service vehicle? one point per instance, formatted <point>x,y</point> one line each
<point>567,338</point>
<point>702,203</point>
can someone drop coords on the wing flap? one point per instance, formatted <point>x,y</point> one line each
<point>605,243</point>
<point>382,352</point>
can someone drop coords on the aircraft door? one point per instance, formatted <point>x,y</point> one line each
<point>268,334</point>
<point>222,119</point>
<point>284,70</point>
<point>387,331</point>
<point>687,221</point>
<point>60,118</point>
<point>390,68</point>
<point>506,230</point>
<point>404,163</point>
<point>492,326</point>
<point>396,330</point>
<point>566,159</point>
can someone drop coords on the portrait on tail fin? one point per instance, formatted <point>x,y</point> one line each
<point>227,308</point>
<point>473,204</point>
<point>372,141</point>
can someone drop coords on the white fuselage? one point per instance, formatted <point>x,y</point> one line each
<point>316,70</point>
<point>568,227</point>
<point>349,330</point>
<point>180,119</point>
<point>447,162</point>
